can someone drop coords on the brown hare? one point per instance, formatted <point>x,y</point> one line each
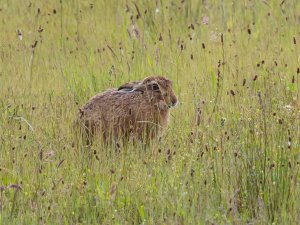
<point>137,109</point>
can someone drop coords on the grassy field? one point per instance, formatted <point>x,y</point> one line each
<point>231,153</point>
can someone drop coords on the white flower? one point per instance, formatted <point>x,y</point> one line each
<point>288,107</point>
<point>205,20</point>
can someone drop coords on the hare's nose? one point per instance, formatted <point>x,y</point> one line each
<point>174,102</point>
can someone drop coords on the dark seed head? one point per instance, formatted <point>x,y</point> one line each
<point>192,172</point>
<point>34,44</point>
<point>244,81</point>
<point>192,26</point>
<point>168,152</point>
<point>160,37</point>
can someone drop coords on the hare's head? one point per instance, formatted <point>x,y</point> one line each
<point>159,89</point>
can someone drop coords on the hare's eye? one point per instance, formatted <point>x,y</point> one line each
<point>155,87</point>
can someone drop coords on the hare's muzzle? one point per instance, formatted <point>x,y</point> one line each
<point>174,102</point>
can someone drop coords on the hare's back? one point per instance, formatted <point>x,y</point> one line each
<point>100,101</point>
<point>115,103</point>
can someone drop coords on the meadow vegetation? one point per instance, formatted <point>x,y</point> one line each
<point>231,153</point>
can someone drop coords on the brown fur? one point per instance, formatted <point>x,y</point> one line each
<point>137,109</point>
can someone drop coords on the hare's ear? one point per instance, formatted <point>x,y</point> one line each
<point>128,86</point>
<point>139,87</point>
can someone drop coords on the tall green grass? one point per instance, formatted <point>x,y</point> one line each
<point>231,152</point>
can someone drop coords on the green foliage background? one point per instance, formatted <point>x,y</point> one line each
<point>231,152</point>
